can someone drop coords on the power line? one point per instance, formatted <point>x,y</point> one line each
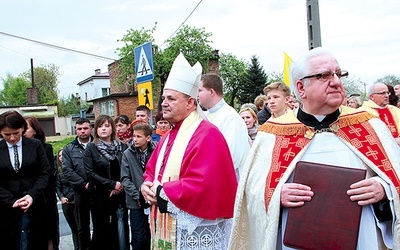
<point>182,23</point>
<point>58,47</point>
<point>89,54</point>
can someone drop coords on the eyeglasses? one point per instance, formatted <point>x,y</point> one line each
<point>328,75</point>
<point>382,93</point>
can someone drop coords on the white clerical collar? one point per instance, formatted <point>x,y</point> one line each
<point>319,117</point>
<point>217,106</point>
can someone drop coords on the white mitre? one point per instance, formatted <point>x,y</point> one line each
<point>183,77</point>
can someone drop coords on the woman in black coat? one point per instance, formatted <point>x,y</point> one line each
<point>24,174</point>
<point>35,130</point>
<point>107,198</point>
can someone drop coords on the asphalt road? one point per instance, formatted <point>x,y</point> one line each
<point>65,232</point>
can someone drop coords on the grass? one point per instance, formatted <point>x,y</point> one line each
<point>58,142</point>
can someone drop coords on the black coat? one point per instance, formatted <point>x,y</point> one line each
<point>64,188</point>
<point>73,166</point>
<point>102,173</point>
<point>263,115</point>
<point>32,179</point>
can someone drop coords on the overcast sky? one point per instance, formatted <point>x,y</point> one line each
<point>364,35</point>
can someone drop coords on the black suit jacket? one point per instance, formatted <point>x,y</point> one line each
<point>31,179</point>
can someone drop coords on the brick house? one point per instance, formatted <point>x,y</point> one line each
<point>122,99</point>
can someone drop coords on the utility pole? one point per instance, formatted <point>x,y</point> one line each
<point>314,30</point>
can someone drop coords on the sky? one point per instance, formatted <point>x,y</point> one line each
<point>364,35</point>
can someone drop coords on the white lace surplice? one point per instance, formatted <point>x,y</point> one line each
<point>195,233</point>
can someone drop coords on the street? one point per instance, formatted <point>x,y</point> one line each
<point>65,232</point>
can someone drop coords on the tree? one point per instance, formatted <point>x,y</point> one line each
<point>232,70</point>
<point>192,42</point>
<point>389,79</point>
<point>46,81</point>
<point>14,91</point>
<point>274,77</point>
<point>353,86</point>
<point>253,82</point>
<point>70,105</point>
<point>131,40</point>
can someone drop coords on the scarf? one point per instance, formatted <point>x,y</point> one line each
<point>125,137</point>
<point>161,133</point>
<point>108,150</point>
<point>253,131</point>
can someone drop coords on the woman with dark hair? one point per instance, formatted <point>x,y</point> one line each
<point>107,198</point>
<point>24,174</point>
<point>393,99</point>
<point>162,125</point>
<point>35,130</point>
<point>124,131</point>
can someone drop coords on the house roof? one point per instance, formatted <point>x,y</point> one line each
<point>104,75</point>
<point>113,96</point>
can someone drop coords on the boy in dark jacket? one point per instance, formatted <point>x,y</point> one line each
<point>134,161</point>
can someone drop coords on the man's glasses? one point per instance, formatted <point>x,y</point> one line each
<point>327,75</point>
<point>382,93</point>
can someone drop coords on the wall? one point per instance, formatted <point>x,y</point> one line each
<point>93,88</point>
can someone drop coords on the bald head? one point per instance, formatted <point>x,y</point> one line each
<point>379,94</point>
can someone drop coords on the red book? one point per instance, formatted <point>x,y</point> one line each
<point>330,220</point>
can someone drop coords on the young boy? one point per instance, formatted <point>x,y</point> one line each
<point>134,161</point>
<point>278,94</point>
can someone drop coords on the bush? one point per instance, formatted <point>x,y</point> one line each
<point>57,145</point>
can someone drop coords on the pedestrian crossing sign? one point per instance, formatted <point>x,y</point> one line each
<point>144,63</point>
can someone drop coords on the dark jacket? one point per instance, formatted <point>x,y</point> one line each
<point>33,176</point>
<point>49,192</point>
<point>72,165</point>
<point>32,179</point>
<point>102,173</point>
<point>263,115</point>
<point>64,188</point>
<point>132,175</point>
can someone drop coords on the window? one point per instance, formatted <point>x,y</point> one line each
<point>111,108</point>
<point>105,91</point>
<point>103,109</point>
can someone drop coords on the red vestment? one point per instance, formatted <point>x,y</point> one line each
<point>207,183</point>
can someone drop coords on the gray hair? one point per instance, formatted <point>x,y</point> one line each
<point>371,89</point>
<point>301,67</point>
<point>357,99</point>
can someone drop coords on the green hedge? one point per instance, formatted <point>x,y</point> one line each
<point>57,145</point>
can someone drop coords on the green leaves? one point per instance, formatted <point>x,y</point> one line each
<point>14,91</point>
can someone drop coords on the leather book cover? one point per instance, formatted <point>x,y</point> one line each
<point>330,220</point>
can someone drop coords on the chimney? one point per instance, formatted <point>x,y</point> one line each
<point>32,93</point>
<point>32,96</point>
<point>97,72</point>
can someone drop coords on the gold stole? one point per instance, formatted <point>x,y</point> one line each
<point>163,225</point>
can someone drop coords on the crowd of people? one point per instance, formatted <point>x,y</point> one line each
<point>214,179</point>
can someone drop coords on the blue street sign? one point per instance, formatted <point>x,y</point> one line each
<point>144,63</point>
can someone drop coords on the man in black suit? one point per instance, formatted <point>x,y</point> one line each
<point>24,174</point>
